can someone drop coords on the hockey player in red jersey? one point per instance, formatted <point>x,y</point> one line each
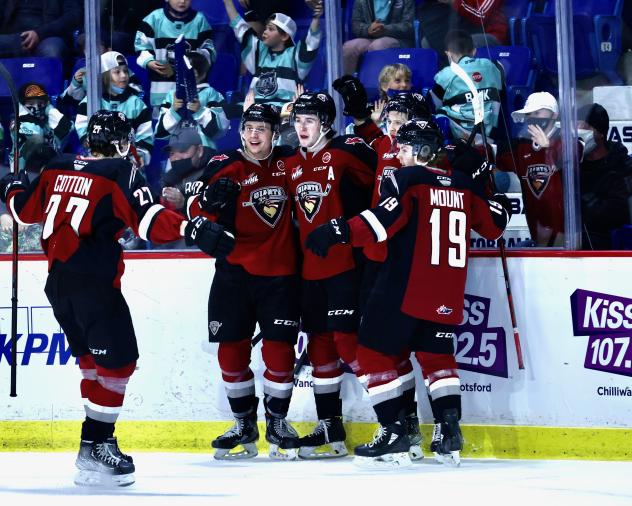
<point>425,214</point>
<point>328,176</point>
<point>85,204</point>
<point>246,191</point>
<point>399,109</point>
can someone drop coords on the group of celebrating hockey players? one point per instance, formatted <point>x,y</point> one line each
<point>375,272</point>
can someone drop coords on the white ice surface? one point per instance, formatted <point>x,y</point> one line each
<point>187,479</point>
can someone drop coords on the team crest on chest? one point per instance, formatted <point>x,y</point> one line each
<point>538,177</point>
<point>267,84</point>
<point>267,203</point>
<point>309,196</point>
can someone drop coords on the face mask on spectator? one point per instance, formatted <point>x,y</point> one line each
<point>116,90</point>
<point>183,167</point>
<point>36,109</point>
<point>588,138</point>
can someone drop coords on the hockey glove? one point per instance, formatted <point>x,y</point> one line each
<point>496,203</point>
<point>12,182</point>
<point>219,193</point>
<point>210,237</point>
<point>353,95</point>
<point>319,240</point>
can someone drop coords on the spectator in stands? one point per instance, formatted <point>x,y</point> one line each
<point>277,62</point>
<point>119,96</point>
<point>536,158</point>
<point>40,123</point>
<point>206,111</point>
<point>38,28</point>
<point>485,21</point>
<point>378,24</point>
<point>452,96</point>
<point>605,180</point>
<point>158,31</point>
<point>392,80</point>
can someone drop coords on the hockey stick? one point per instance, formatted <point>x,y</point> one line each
<point>14,259</point>
<point>478,106</point>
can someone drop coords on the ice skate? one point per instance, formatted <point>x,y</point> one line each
<point>282,437</point>
<point>325,442</point>
<point>117,451</point>
<point>388,450</point>
<point>99,466</point>
<point>414,436</point>
<point>447,441</point>
<point>238,442</point>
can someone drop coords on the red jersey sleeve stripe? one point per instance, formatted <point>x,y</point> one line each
<point>372,221</point>
<point>15,214</point>
<point>145,224</point>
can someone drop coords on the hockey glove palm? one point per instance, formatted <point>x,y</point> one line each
<point>319,240</point>
<point>353,95</point>
<point>210,237</point>
<point>219,193</point>
<point>12,182</point>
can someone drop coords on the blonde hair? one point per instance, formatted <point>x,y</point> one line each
<point>388,72</point>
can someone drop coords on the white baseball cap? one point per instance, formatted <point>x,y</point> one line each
<point>111,60</point>
<point>285,23</point>
<point>535,102</point>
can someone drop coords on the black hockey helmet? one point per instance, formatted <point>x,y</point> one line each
<point>423,135</point>
<point>320,104</point>
<point>265,113</point>
<point>107,130</point>
<point>412,104</point>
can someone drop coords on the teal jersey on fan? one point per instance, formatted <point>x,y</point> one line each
<point>275,74</point>
<point>136,111</point>
<point>454,99</point>
<point>155,38</point>
<point>210,119</point>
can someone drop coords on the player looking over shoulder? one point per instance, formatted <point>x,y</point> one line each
<point>85,204</point>
<point>246,191</point>
<point>425,213</point>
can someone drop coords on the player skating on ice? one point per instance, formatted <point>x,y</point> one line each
<point>425,213</point>
<point>85,204</point>
<point>246,191</point>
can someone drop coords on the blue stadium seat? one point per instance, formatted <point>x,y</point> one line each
<point>317,77</point>
<point>224,73</point>
<point>45,71</point>
<point>516,11</point>
<point>422,62</point>
<point>597,34</point>
<point>622,238</point>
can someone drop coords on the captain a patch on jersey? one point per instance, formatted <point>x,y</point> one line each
<point>310,196</point>
<point>268,203</point>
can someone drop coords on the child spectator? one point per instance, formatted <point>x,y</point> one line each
<point>378,24</point>
<point>157,33</point>
<point>276,62</point>
<point>40,122</point>
<point>207,112</point>
<point>452,96</point>
<point>119,96</point>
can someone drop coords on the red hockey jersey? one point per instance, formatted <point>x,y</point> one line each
<point>324,185</point>
<point>260,217</point>
<point>86,204</point>
<point>426,216</point>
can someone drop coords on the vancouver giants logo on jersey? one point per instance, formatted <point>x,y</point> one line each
<point>538,177</point>
<point>268,203</point>
<point>309,196</point>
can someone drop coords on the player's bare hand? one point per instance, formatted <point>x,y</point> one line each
<point>538,137</point>
<point>249,100</point>
<point>194,106</point>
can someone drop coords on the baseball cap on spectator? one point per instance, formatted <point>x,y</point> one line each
<point>111,60</point>
<point>596,116</point>
<point>32,90</point>
<point>182,139</point>
<point>285,23</point>
<point>535,102</point>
